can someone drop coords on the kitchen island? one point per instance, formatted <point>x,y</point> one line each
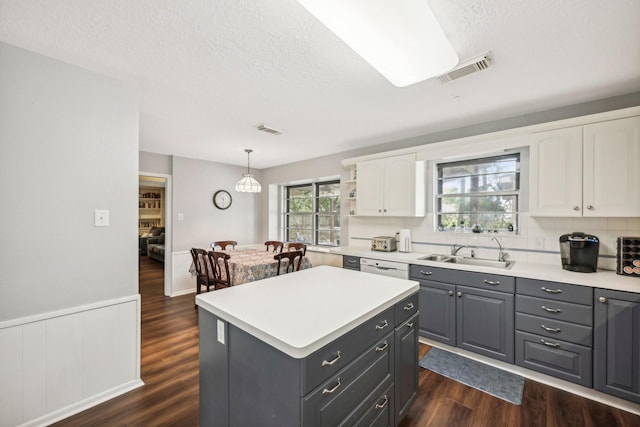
<point>317,347</point>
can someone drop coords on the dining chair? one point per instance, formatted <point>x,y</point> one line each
<point>298,247</point>
<point>277,246</point>
<point>291,256</point>
<point>223,244</point>
<point>220,268</point>
<point>204,275</point>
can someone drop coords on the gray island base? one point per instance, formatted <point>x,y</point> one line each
<point>319,347</point>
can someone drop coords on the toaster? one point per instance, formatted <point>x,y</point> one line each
<point>384,244</point>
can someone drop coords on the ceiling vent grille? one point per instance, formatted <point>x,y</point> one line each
<point>268,129</point>
<point>470,66</point>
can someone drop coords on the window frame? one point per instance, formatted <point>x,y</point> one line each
<point>516,193</point>
<point>315,213</point>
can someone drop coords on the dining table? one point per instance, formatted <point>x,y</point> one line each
<point>251,263</point>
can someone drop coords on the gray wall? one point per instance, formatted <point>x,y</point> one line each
<point>69,144</point>
<point>194,183</point>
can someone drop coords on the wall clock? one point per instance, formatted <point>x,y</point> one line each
<point>222,199</point>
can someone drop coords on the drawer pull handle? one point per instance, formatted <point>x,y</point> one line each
<point>331,390</point>
<point>335,359</point>
<point>381,327</point>
<point>546,328</point>
<point>410,324</point>
<point>351,261</point>
<point>408,306</point>
<point>550,344</point>
<point>552,291</point>
<point>551,310</point>
<point>491,282</point>
<point>383,404</point>
<point>383,347</point>
<point>426,273</point>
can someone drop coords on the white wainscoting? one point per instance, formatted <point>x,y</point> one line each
<point>181,280</point>
<point>56,364</point>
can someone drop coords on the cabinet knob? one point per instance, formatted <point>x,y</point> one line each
<point>576,208</point>
<point>379,210</point>
<point>450,293</point>
<point>602,299</point>
<point>459,294</point>
<point>590,207</point>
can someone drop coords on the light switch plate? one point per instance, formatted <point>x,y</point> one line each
<point>101,218</point>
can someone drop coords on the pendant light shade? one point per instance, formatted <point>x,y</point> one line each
<point>248,183</point>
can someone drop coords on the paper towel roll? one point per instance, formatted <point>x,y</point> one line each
<point>404,240</point>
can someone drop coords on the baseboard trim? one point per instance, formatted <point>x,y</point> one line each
<point>84,404</point>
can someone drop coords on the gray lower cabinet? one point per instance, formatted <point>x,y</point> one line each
<point>469,310</point>
<point>366,377</point>
<point>617,343</point>
<point>554,329</point>
<point>351,262</point>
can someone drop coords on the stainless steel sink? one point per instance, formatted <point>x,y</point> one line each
<point>436,257</point>
<point>480,262</point>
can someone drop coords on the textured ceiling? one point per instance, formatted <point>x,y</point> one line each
<point>209,71</point>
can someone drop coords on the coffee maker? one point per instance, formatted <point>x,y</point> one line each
<point>579,252</point>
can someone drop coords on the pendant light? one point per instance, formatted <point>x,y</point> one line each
<point>248,184</point>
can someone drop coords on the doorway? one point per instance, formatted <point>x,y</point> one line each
<point>154,225</point>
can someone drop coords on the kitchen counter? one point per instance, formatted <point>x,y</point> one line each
<point>299,313</point>
<point>605,279</point>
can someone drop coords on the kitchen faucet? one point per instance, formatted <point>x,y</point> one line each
<point>502,256</point>
<point>455,248</point>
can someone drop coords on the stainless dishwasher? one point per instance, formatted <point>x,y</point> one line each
<point>385,268</point>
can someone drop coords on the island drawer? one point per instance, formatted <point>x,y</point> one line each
<point>556,329</point>
<point>559,310</point>
<point>406,308</point>
<point>379,410</point>
<point>555,291</point>
<point>560,359</point>
<point>332,402</point>
<point>351,262</point>
<point>334,356</point>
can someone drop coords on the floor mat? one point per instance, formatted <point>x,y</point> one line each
<point>494,381</point>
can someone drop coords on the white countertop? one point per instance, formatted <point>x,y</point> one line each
<point>299,313</point>
<point>605,279</point>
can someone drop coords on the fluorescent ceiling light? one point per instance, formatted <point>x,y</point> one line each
<point>399,38</point>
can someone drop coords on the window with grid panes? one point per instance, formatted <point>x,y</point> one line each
<point>312,213</point>
<point>479,195</point>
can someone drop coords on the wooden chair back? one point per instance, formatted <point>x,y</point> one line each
<point>220,268</point>
<point>293,265</point>
<point>222,244</point>
<point>297,247</point>
<point>277,246</point>
<point>204,274</point>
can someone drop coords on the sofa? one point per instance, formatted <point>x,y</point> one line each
<point>152,244</point>
<point>155,247</point>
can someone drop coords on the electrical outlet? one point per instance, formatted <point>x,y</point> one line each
<point>101,218</point>
<point>220,331</point>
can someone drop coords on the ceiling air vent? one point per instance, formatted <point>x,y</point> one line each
<point>467,67</point>
<point>268,129</point>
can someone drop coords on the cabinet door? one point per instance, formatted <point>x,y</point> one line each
<point>484,322</point>
<point>617,343</point>
<point>406,366</point>
<point>400,185</point>
<point>437,311</point>
<point>556,173</point>
<point>370,187</point>
<point>611,168</point>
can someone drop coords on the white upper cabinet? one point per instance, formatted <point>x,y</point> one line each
<point>391,186</point>
<point>590,170</point>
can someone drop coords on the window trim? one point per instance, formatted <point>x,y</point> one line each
<point>516,193</point>
<point>315,213</point>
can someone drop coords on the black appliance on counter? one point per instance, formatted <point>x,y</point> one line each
<point>579,252</point>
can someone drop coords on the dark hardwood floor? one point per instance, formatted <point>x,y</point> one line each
<point>169,368</point>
